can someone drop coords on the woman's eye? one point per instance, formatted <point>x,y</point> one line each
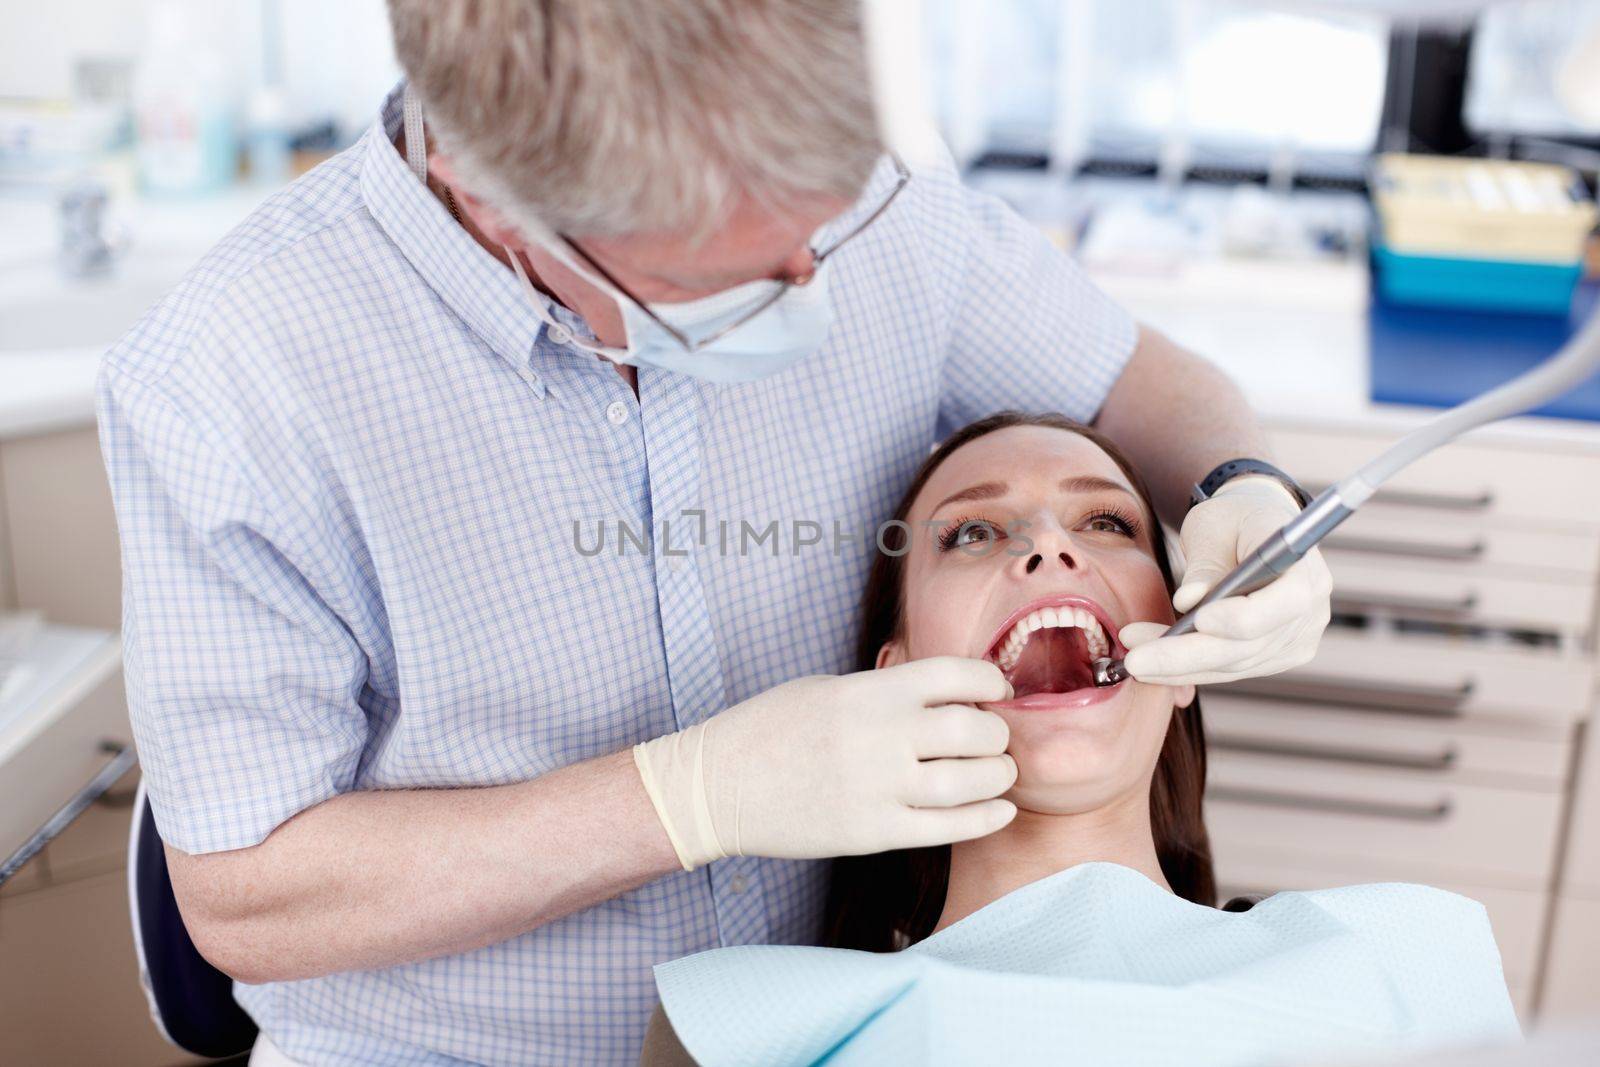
<point>1107,522</point>
<point>967,532</point>
<point>973,532</point>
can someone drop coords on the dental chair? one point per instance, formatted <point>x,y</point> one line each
<point>191,1001</point>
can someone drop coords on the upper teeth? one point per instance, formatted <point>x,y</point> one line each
<point>1010,649</point>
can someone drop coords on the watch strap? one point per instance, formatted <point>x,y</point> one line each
<point>1234,468</point>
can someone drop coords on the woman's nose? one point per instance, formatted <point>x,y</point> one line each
<point>1051,549</point>
<point>1037,560</point>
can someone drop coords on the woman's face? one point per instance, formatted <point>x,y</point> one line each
<point>1030,548</point>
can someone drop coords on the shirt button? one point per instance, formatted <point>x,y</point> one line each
<point>617,413</point>
<point>738,883</point>
<point>559,335</point>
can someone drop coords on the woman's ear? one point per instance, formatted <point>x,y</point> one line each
<point>890,655</point>
<point>1183,696</point>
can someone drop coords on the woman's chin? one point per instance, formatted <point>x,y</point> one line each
<point>1061,798</point>
<point>1073,761</point>
<point>1065,779</point>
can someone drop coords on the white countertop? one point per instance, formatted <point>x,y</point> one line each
<point>1293,336</point>
<point>43,391</point>
<point>54,388</point>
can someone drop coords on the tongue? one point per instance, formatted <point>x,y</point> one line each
<point>1055,660</point>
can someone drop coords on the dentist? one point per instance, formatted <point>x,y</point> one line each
<point>495,501</point>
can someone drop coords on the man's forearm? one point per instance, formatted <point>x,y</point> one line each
<point>1177,416</point>
<point>378,878</point>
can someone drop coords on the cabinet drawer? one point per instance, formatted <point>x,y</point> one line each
<point>1580,866</point>
<point>1422,830</point>
<point>1572,984</point>
<point>1442,592</point>
<point>69,990</point>
<point>1467,545</point>
<point>1436,678</point>
<point>58,748</point>
<point>1488,478</point>
<point>1518,916</point>
<point>1429,750</point>
<point>97,840</point>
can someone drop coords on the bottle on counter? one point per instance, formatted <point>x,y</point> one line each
<point>185,139</point>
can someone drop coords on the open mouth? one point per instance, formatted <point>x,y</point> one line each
<point>1050,646</point>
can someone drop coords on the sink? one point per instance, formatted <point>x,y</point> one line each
<point>41,310</point>
<point>54,330</point>
<point>44,313</point>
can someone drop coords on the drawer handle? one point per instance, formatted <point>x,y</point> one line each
<point>1442,760</point>
<point>1352,602</point>
<point>1410,549</point>
<point>1438,811</point>
<point>1414,498</point>
<point>1440,700</point>
<point>122,761</point>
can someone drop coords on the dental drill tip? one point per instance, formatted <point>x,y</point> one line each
<point>1109,671</point>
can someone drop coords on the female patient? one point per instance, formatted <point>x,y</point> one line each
<point>1033,546</point>
<point>1084,931</point>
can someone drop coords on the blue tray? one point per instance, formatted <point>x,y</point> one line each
<point>1440,358</point>
<point>1483,284</point>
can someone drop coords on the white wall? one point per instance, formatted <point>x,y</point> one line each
<point>337,55</point>
<point>39,40</point>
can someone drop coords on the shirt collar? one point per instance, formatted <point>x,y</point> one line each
<point>476,286</point>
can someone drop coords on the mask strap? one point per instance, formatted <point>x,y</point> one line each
<point>416,144</point>
<point>553,243</point>
<point>615,355</point>
<point>417,160</point>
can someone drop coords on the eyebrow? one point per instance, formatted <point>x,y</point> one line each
<point>1081,483</point>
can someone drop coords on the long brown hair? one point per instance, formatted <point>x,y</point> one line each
<point>883,902</point>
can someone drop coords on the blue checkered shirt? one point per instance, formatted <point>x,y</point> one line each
<point>361,488</point>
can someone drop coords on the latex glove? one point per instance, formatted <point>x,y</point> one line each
<point>1273,629</point>
<point>838,766</point>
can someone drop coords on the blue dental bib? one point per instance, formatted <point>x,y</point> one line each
<point>1099,965</point>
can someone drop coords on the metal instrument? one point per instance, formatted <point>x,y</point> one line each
<point>1577,360</point>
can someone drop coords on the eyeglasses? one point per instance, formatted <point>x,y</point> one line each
<point>902,178</point>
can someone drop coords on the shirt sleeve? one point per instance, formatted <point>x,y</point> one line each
<point>242,684</point>
<point>1030,331</point>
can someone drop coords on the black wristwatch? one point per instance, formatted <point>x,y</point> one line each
<point>1234,468</point>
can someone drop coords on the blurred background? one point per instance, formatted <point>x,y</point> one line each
<point>1361,217</point>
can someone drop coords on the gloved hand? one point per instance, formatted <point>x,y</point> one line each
<point>1273,629</point>
<point>838,766</point>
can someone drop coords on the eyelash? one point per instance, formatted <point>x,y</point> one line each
<point>947,539</point>
<point>1129,523</point>
<point>1129,526</point>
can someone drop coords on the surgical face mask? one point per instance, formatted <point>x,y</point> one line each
<point>788,330</point>
<point>793,327</point>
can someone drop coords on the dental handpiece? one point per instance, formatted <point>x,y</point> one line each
<point>1277,554</point>
<point>1576,361</point>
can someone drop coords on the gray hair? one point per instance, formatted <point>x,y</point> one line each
<point>609,117</point>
